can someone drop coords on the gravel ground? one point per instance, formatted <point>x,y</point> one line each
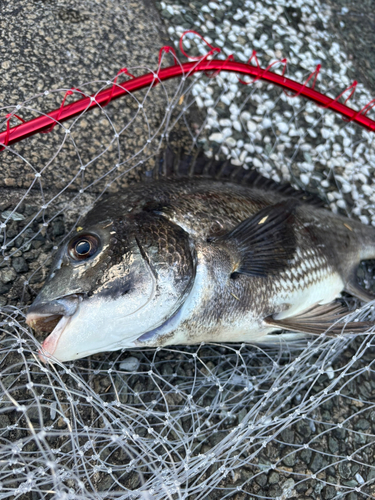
<point>338,161</point>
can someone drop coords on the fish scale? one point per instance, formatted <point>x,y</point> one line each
<point>186,259</point>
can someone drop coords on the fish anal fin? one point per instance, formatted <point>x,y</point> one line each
<point>265,242</point>
<point>318,319</point>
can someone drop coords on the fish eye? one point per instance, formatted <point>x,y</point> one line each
<point>83,246</point>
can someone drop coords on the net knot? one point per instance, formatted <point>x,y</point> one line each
<point>115,84</point>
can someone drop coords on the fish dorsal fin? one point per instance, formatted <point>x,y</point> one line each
<point>265,242</point>
<point>318,319</point>
<point>170,164</point>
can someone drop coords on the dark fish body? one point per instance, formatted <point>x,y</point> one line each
<point>192,259</point>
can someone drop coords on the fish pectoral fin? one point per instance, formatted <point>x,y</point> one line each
<point>355,289</point>
<point>318,319</point>
<point>265,243</point>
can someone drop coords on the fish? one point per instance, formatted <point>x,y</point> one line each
<point>200,251</point>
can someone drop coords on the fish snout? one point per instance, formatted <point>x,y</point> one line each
<point>44,315</point>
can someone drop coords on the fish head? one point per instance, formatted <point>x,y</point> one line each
<point>111,283</point>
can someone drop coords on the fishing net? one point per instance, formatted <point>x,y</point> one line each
<point>207,421</point>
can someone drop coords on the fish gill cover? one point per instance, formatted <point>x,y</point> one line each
<point>206,421</point>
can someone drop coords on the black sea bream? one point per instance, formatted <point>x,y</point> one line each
<point>197,258</point>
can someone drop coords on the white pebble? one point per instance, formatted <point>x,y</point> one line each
<point>330,373</point>
<point>368,190</point>
<point>213,5</point>
<point>237,125</point>
<point>359,478</point>
<point>227,132</point>
<point>305,178</point>
<point>233,108</point>
<point>130,364</point>
<point>251,126</point>
<point>266,123</point>
<point>243,156</point>
<point>217,137</point>
<point>199,102</point>
<point>225,100</point>
<point>231,142</point>
<point>225,122</point>
<point>283,127</point>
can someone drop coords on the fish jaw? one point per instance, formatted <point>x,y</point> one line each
<point>50,343</point>
<point>52,317</point>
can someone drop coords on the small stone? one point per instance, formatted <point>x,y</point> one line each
<point>225,122</point>
<point>261,479</point>
<point>345,470</point>
<point>359,478</point>
<point>4,288</point>
<point>266,123</point>
<point>231,142</point>
<point>12,215</point>
<point>317,463</point>
<point>252,126</point>
<point>130,364</point>
<point>289,460</point>
<point>20,265</point>
<point>283,127</point>
<point>217,137</point>
<point>305,178</point>
<point>58,228</point>
<point>362,425</point>
<point>333,445</point>
<point>7,275</point>
<point>273,478</point>
<point>237,125</point>
<point>328,492</point>
<point>330,373</point>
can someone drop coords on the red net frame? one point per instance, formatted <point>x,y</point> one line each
<point>212,67</point>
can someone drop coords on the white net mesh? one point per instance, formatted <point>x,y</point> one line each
<point>208,421</point>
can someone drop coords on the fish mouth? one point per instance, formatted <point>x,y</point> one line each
<point>52,317</point>
<point>50,343</point>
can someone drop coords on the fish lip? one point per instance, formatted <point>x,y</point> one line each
<point>44,315</point>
